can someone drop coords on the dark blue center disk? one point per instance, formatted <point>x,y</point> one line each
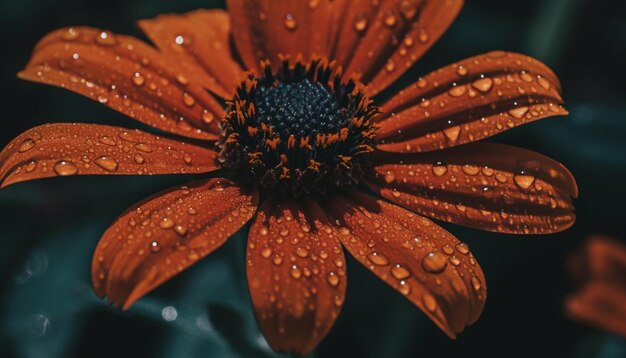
<point>300,108</point>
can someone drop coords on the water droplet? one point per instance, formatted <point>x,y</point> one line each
<point>166,223</point>
<point>439,169</point>
<point>26,145</point>
<point>360,23</point>
<point>423,36</point>
<point>470,170</point>
<point>429,302</point>
<point>390,19</point>
<point>295,272</point>
<point>408,9</point>
<point>107,163</point>
<point>333,279</point>
<point>519,112</point>
<point>313,4</point>
<point>476,284</point>
<point>107,141</point>
<point>452,133</point>
<point>461,70</point>
<point>208,117</point>
<point>155,247</point>
<point>180,230</point>
<point>106,39</point>
<point>182,80</point>
<point>462,248</point>
<point>390,66</point>
<point>143,147</point>
<point>188,100</point>
<point>290,22</point>
<point>457,91</point>
<point>483,84</point>
<point>400,273</point>
<point>405,289</point>
<point>266,252</point>
<point>31,166</point>
<point>523,181</point>
<point>139,159</point>
<point>447,249</point>
<point>434,262</point>
<point>302,252</point>
<point>378,259</point>
<point>71,34</point>
<point>65,168</point>
<point>543,82</point>
<point>138,80</point>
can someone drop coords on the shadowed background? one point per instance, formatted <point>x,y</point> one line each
<point>48,229</point>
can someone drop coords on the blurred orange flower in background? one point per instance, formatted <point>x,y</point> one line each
<point>599,269</point>
<point>282,101</point>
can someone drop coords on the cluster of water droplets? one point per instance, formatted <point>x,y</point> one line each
<point>490,102</point>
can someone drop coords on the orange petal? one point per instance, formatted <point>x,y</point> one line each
<point>163,235</point>
<point>600,305</point>
<point>467,101</point>
<point>601,259</point>
<point>199,42</point>
<point>127,75</point>
<point>481,185</point>
<point>422,261</point>
<point>266,28</point>
<point>85,149</point>
<point>296,274</point>
<point>397,34</point>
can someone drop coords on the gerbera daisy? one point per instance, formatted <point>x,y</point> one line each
<point>282,99</point>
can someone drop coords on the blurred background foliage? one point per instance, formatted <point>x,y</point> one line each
<point>48,229</point>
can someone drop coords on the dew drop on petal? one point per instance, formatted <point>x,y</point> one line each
<point>434,262</point>
<point>429,302</point>
<point>476,284</point>
<point>483,84</point>
<point>333,279</point>
<point>523,181</point>
<point>166,223</point>
<point>26,145</point>
<point>439,169</point>
<point>378,259</point>
<point>290,22</point>
<point>107,163</point>
<point>65,168</point>
<point>360,23</point>
<point>400,272</point>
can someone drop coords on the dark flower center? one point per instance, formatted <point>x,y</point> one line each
<point>299,130</point>
<point>301,108</point>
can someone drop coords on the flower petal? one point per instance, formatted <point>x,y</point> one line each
<point>296,274</point>
<point>163,235</point>
<point>481,185</point>
<point>397,34</point>
<point>86,149</point>
<point>422,261</point>
<point>601,305</point>
<point>267,28</point>
<point>601,259</point>
<point>200,42</point>
<point>469,100</point>
<point>127,75</point>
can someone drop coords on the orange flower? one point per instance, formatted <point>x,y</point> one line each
<point>600,269</point>
<point>299,138</point>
